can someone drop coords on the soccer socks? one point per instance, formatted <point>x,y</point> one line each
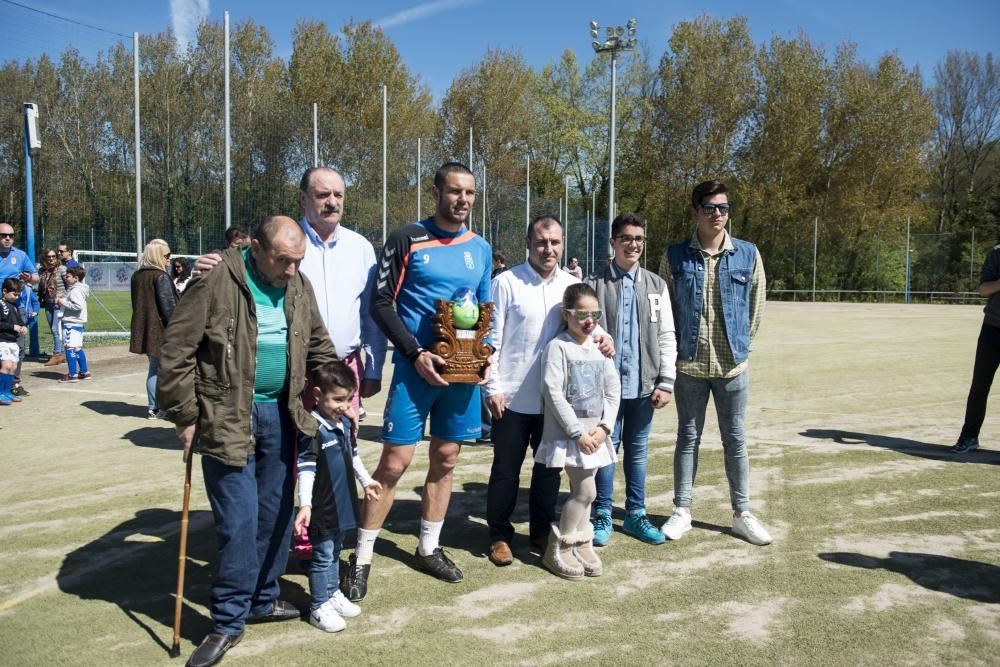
<point>6,382</point>
<point>430,533</point>
<point>366,545</point>
<point>81,358</point>
<point>71,361</point>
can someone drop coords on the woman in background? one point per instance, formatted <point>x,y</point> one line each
<point>153,300</point>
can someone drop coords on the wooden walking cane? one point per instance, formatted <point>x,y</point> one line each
<point>175,650</point>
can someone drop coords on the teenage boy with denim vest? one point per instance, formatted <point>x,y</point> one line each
<point>717,289</point>
<point>639,318</point>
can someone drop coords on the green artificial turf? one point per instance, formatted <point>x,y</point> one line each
<point>886,551</point>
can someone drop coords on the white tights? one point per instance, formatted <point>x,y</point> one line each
<point>583,490</point>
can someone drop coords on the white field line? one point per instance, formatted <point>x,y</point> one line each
<point>95,391</point>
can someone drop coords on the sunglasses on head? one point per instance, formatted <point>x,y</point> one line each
<point>584,315</point>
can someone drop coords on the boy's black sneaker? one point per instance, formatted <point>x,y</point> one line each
<point>354,579</point>
<point>19,390</point>
<point>439,565</point>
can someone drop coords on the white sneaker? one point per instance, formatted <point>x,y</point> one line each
<point>343,606</point>
<point>748,527</point>
<point>326,618</point>
<point>678,524</point>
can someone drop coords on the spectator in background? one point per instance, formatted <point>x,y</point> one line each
<point>499,263</point>
<point>573,268</point>
<point>28,307</point>
<point>66,255</point>
<point>154,297</point>
<point>51,288</point>
<point>74,307</point>
<point>180,271</point>
<point>10,329</point>
<point>237,236</point>
<point>987,355</point>
<point>14,262</point>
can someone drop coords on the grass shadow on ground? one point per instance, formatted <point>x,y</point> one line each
<point>962,578</point>
<point>116,408</point>
<point>924,450</point>
<point>134,567</point>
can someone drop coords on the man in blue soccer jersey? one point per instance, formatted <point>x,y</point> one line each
<point>422,262</point>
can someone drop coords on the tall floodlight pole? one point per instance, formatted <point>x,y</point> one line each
<point>485,225</point>
<point>566,214</point>
<point>385,167</point>
<point>229,210</point>
<point>470,169</point>
<point>138,150</point>
<point>618,39</point>
<point>315,134</point>
<point>32,140</point>
<point>815,248</point>
<point>527,200</point>
<point>593,227</point>
<point>907,259</point>
<point>419,217</point>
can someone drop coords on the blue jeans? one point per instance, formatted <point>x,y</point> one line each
<point>252,506</point>
<point>56,329</point>
<point>324,570</point>
<point>632,427</point>
<point>154,369</point>
<point>691,398</point>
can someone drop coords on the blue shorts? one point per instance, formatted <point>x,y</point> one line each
<point>454,410</point>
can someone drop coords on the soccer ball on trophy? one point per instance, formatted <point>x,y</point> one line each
<point>464,309</point>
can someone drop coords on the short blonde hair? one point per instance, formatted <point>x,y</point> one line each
<point>154,255</point>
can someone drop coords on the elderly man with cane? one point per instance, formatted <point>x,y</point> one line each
<point>235,359</point>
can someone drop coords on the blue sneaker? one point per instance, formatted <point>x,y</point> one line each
<point>602,528</point>
<point>639,527</point>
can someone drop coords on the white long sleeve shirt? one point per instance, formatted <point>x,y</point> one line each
<point>340,271</point>
<point>527,316</point>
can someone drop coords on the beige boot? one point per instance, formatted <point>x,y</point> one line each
<point>583,549</point>
<point>56,359</point>
<point>559,557</point>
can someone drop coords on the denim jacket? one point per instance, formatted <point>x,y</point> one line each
<point>734,281</point>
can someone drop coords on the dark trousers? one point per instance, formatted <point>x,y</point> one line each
<point>252,506</point>
<point>512,434</point>
<point>987,361</point>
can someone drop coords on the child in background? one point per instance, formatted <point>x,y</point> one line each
<point>328,501</point>
<point>580,395</point>
<point>10,328</point>
<point>28,306</point>
<point>74,306</point>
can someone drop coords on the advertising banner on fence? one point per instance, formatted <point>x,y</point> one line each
<point>115,276</point>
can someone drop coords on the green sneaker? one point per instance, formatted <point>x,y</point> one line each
<point>602,528</point>
<point>639,527</point>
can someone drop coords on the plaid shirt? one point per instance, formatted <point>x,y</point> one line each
<point>714,358</point>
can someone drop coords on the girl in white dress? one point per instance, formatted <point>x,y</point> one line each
<point>580,395</point>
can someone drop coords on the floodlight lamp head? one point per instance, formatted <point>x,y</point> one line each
<point>631,24</point>
<point>596,45</point>
<point>31,125</point>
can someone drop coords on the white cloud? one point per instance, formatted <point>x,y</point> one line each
<point>423,11</point>
<point>186,15</point>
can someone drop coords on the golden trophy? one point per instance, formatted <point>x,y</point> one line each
<point>460,340</point>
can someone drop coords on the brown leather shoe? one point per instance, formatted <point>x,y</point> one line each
<point>56,359</point>
<point>500,554</point>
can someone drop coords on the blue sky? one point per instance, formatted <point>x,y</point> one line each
<point>439,38</point>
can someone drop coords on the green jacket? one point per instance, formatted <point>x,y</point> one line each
<point>209,358</point>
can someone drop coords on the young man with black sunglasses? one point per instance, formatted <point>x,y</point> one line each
<point>717,289</point>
